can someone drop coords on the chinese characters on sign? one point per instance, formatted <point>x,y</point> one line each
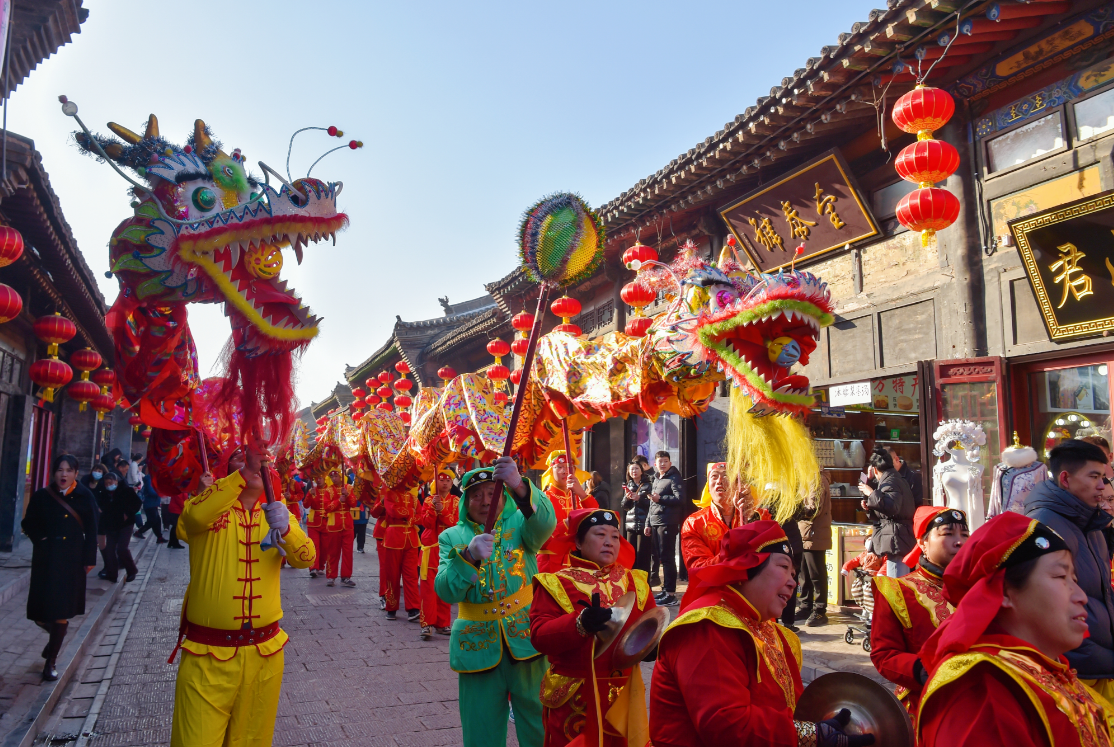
<point>900,393</point>
<point>849,394</point>
<point>1068,253</point>
<point>816,207</point>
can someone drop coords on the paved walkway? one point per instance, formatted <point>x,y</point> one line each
<point>352,678</point>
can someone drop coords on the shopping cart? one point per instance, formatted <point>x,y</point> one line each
<point>863,594</point>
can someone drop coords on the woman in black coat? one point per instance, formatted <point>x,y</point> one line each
<point>119,504</point>
<point>61,522</point>
<point>636,504</point>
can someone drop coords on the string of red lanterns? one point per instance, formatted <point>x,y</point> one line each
<point>497,372</point>
<point>927,209</point>
<point>50,373</point>
<point>83,390</point>
<point>11,249</point>
<point>637,294</point>
<point>104,402</point>
<point>566,307</point>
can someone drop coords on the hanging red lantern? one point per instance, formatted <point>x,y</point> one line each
<point>498,372</point>
<point>523,322</point>
<point>86,360</point>
<point>384,392</point>
<point>402,401</point>
<point>11,245</point>
<point>102,404</point>
<point>404,417</point>
<point>385,406</point>
<point>402,367</point>
<point>357,415</point>
<point>498,347</point>
<point>50,374</point>
<point>135,421</point>
<point>358,404</point>
<point>359,393</point>
<point>500,398</point>
<point>404,384</point>
<point>371,399</point>
<point>640,254</point>
<point>372,383</point>
<point>446,374</point>
<point>54,329</point>
<point>519,346</point>
<point>146,433</point>
<point>565,307</point>
<point>637,326</point>
<point>385,377</point>
<point>929,209</point>
<point>83,391</point>
<point>10,304</point>
<point>927,161</point>
<point>516,376</point>
<point>105,378</point>
<point>637,294</point>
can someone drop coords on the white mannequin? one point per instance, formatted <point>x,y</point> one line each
<point>958,481</point>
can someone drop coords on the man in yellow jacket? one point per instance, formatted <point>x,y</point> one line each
<point>230,675</point>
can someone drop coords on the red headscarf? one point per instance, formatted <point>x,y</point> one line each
<point>974,580</point>
<point>741,549</point>
<point>924,520</point>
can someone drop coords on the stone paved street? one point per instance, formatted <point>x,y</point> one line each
<point>352,677</point>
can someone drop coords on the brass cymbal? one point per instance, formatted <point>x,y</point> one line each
<point>620,612</point>
<point>874,709</point>
<point>640,638</point>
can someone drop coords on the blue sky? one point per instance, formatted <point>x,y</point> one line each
<point>469,113</point>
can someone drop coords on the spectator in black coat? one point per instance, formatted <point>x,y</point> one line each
<point>61,522</point>
<point>910,476</point>
<point>119,504</point>
<point>666,498</point>
<point>636,505</point>
<point>600,489</point>
<point>889,507</point>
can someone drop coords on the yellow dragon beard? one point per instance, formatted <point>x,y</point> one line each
<point>773,454</point>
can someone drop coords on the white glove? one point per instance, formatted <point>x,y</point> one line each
<point>507,471</point>
<point>278,518</point>
<point>480,547</point>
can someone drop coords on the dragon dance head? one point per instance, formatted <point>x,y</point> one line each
<point>205,231</point>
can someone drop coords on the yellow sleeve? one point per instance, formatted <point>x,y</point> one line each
<point>210,504</point>
<point>300,551</point>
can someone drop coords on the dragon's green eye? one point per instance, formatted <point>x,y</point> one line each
<point>204,199</point>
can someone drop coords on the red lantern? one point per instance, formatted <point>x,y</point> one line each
<point>519,346</point>
<point>372,383</point>
<point>446,373</point>
<point>10,304</point>
<point>927,162</point>
<point>359,393</point>
<point>404,417</point>
<point>50,374</point>
<point>105,378</point>
<point>498,372</point>
<point>86,360</point>
<point>402,401</point>
<point>135,421</point>
<point>83,391</point>
<point>639,253</point>
<point>566,308</point>
<point>371,399</point>
<point>636,294</point>
<point>569,329</point>
<point>498,348</point>
<point>146,433</point>
<point>54,330</point>
<point>11,245</point>
<point>402,367</point>
<point>358,404</point>
<point>385,377</point>
<point>523,322</point>
<point>923,110</point>
<point>103,403</point>
<point>516,376</point>
<point>637,326</point>
<point>500,398</point>
<point>404,384</point>
<point>384,392</point>
<point>357,415</point>
<point>928,211</point>
<point>385,406</point>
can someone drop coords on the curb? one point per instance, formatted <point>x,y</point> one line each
<point>29,726</point>
<point>14,587</point>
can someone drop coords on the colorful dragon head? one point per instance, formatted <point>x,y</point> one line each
<point>750,328</point>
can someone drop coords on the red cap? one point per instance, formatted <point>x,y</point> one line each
<point>930,517</point>
<point>975,578</point>
<point>741,549</point>
<point>565,542</point>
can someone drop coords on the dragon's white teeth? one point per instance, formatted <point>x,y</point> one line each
<point>233,254</point>
<point>333,236</point>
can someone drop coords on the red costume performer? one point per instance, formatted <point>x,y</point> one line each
<point>316,519</point>
<point>987,687</point>
<point>908,610</point>
<point>435,613</point>
<point>723,676</point>
<point>570,705</point>
<point>337,533</point>
<point>400,550</point>
<point>702,531</point>
<point>554,553</point>
<point>377,512</point>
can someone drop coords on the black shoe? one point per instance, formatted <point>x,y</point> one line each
<point>413,615</point>
<point>816,619</point>
<point>661,595</point>
<point>176,546</point>
<point>129,578</point>
<point>392,615</point>
<point>50,671</point>
<point>138,535</point>
<point>312,573</point>
<point>159,540</point>
<point>668,601</point>
<point>794,628</point>
<point>804,613</point>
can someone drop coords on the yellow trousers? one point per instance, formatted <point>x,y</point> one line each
<point>227,703</point>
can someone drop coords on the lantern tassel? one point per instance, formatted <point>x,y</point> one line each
<point>928,236</point>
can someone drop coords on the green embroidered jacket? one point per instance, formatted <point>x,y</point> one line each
<point>476,646</point>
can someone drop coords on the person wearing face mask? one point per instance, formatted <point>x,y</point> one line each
<point>119,504</point>
<point>726,672</point>
<point>93,479</point>
<point>570,607</point>
<point>997,668</point>
<point>61,522</point>
<point>488,577</point>
<point>907,610</point>
<point>230,676</point>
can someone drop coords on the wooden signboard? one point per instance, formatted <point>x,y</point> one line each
<point>817,207</point>
<point>1068,253</point>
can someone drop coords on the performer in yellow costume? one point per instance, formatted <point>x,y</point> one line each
<point>231,670</point>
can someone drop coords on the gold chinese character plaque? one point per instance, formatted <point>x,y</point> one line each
<point>1068,253</point>
<point>817,207</point>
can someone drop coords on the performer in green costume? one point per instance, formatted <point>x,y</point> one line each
<point>489,576</point>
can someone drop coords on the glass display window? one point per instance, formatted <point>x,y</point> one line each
<point>1069,403</point>
<point>1025,142</point>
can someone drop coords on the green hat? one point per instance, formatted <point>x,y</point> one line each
<point>476,477</point>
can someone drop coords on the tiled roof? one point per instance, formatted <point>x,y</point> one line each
<point>39,29</point>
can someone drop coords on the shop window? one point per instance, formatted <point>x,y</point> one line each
<point>1025,143</point>
<point>664,434</point>
<point>1070,403</point>
<point>11,367</point>
<point>884,201</point>
<point>1095,115</point>
<point>976,401</point>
